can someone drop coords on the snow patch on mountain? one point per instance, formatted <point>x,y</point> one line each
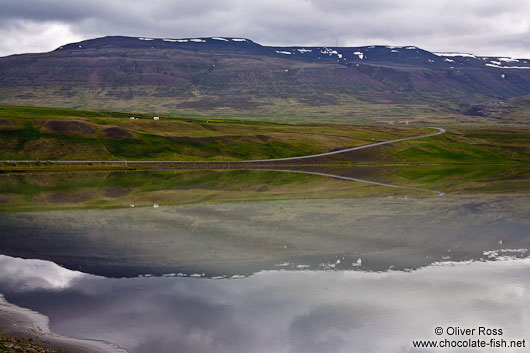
<point>359,54</point>
<point>466,55</point>
<point>509,60</point>
<point>330,51</point>
<point>508,67</point>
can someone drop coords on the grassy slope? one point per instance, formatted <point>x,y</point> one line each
<point>49,133</point>
<point>43,133</point>
<point>464,147</point>
<point>459,161</point>
<point>337,107</point>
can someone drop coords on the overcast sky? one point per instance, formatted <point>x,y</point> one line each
<point>483,27</point>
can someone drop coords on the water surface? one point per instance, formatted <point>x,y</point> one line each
<point>276,311</point>
<point>269,261</point>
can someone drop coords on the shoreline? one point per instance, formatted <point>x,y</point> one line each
<point>24,323</point>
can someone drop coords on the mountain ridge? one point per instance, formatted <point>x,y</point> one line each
<point>342,54</point>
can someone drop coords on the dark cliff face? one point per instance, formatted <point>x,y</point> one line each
<point>224,67</point>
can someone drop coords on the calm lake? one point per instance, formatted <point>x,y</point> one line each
<point>271,261</point>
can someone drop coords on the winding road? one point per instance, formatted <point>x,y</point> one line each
<point>439,132</point>
<point>227,164</point>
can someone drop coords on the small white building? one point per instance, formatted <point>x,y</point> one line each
<point>156,118</point>
<point>132,118</point>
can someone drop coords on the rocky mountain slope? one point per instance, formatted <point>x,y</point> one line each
<point>236,76</point>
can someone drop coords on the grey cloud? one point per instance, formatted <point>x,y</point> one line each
<point>49,10</point>
<point>482,27</point>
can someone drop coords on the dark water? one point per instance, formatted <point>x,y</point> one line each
<point>266,261</point>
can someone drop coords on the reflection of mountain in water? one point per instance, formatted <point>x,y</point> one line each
<point>242,238</point>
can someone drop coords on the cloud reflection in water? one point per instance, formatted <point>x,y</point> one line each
<point>275,311</point>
